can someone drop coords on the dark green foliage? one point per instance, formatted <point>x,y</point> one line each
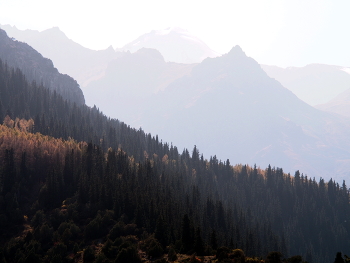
<point>339,258</point>
<point>213,240</point>
<point>274,257</point>
<point>32,257</point>
<point>101,258</point>
<point>237,255</point>
<point>155,250</point>
<point>198,243</point>
<point>58,252</point>
<point>152,247</point>
<point>295,259</point>
<point>44,234</point>
<point>124,182</point>
<point>92,230</point>
<point>128,255</point>
<point>89,254</point>
<point>187,234</point>
<point>116,231</point>
<point>222,253</point>
<point>172,256</point>
<point>161,232</point>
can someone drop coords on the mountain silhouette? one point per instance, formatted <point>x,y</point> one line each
<point>39,69</point>
<point>315,83</point>
<point>69,57</point>
<point>175,44</point>
<point>230,107</point>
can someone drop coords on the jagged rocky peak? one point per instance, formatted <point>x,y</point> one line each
<point>39,69</point>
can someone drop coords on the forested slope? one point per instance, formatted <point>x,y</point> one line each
<point>39,69</point>
<point>75,184</point>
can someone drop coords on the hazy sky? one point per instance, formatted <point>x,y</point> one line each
<point>275,32</point>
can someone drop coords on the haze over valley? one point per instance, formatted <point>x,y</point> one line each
<point>158,131</point>
<point>225,105</point>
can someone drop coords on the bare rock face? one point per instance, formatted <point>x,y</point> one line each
<point>39,69</point>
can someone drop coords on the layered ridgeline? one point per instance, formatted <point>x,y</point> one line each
<point>340,104</point>
<point>61,200</point>
<point>315,83</point>
<point>82,64</point>
<point>227,106</point>
<point>283,138</point>
<point>38,69</point>
<point>86,65</point>
<point>131,82</point>
<point>325,87</point>
<point>175,44</point>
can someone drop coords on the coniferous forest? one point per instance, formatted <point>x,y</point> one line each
<point>77,186</point>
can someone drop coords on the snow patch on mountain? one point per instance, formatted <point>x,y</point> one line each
<point>347,70</point>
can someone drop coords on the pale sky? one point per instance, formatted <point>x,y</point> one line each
<point>274,32</point>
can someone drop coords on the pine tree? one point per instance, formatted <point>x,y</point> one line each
<point>213,240</point>
<point>338,258</point>
<point>186,238</point>
<point>198,243</point>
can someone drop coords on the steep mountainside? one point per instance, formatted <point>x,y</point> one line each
<point>175,44</point>
<point>340,104</point>
<point>83,64</point>
<point>314,83</point>
<point>228,106</point>
<point>131,82</point>
<point>121,195</point>
<point>38,69</point>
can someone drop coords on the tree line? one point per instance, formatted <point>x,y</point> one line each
<point>71,177</point>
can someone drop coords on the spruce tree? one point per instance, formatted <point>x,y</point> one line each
<point>338,258</point>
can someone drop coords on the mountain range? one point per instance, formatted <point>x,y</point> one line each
<point>226,106</point>
<point>39,69</point>
<point>81,63</point>
<point>175,44</point>
<point>340,104</point>
<point>229,106</point>
<point>131,82</point>
<point>79,186</point>
<point>315,83</point>
<point>86,65</point>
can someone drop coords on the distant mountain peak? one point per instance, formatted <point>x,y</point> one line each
<point>175,44</point>
<point>236,50</point>
<point>347,70</point>
<point>55,32</point>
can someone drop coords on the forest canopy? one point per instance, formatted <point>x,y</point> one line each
<point>75,185</point>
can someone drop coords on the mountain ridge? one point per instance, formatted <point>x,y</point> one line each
<point>175,44</point>
<point>39,69</point>
<point>240,92</point>
<point>315,83</point>
<point>84,65</point>
<point>121,195</point>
